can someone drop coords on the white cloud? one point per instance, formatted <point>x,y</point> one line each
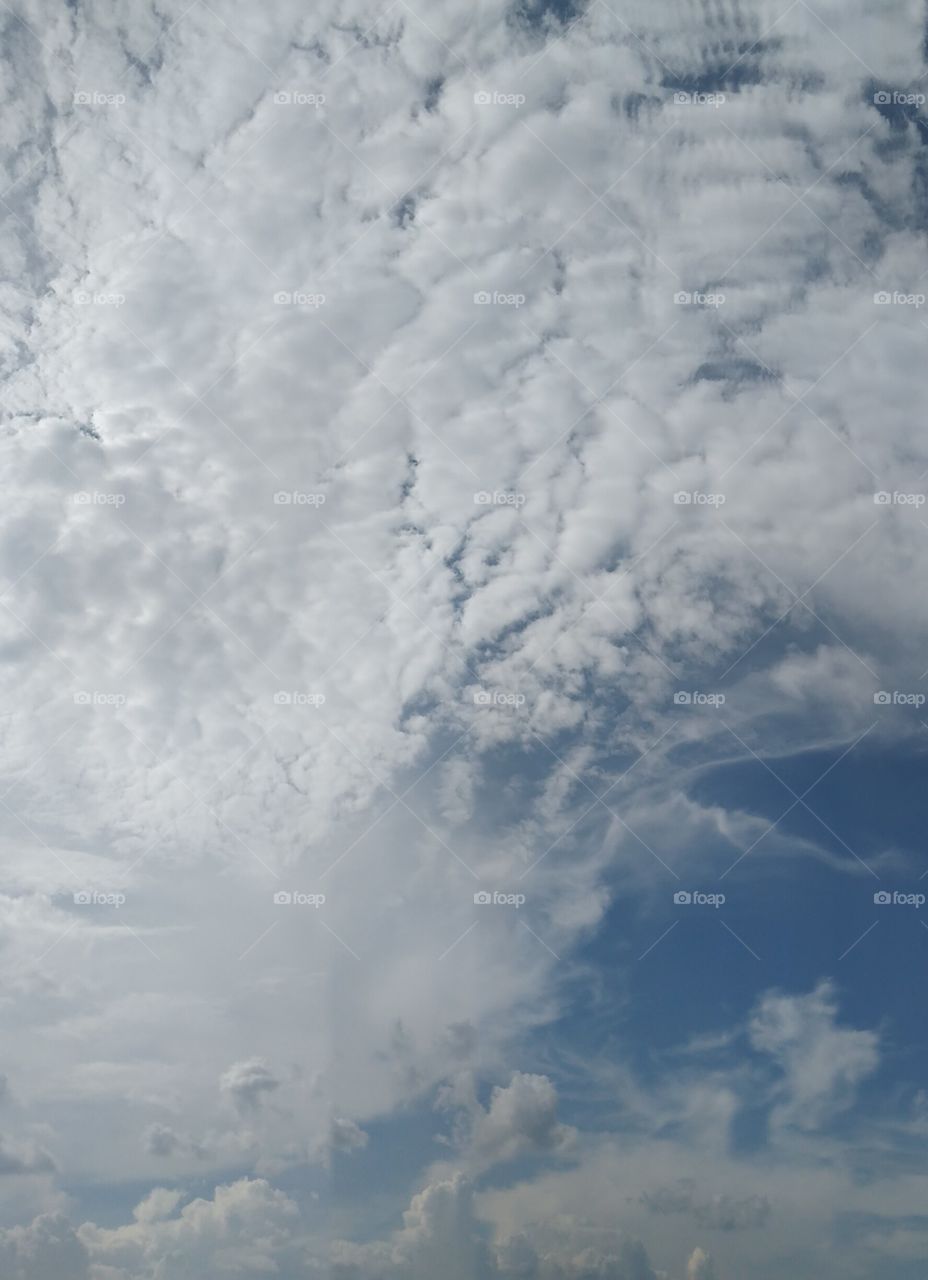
<point>47,1249</point>
<point>700,1266</point>
<point>822,1063</point>
<point>520,1120</point>
<point>245,1228</point>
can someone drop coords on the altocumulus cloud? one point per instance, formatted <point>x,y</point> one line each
<point>414,422</point>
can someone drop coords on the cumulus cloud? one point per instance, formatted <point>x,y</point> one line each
<point>246,1228</point>
<point>442,1236</point>
<point>248,1083</point>
<point>520,1120</point>
<point>249,1229</point>
<point>47,1249</point>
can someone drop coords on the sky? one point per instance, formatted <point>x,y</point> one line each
<point>462,650</point>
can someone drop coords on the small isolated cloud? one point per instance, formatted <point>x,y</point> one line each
<point>520,1120</point>
<point>248,1083</point>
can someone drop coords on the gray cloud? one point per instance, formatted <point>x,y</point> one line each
<point>721,1212</point>
<point>248,1083</point>
<point>23,1158</point>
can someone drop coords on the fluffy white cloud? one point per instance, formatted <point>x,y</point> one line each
<point>520,1120</point>
<point>246,1228</point>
